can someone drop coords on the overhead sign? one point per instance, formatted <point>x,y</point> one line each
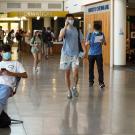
<point>100,7</point>
<point>37,13</point>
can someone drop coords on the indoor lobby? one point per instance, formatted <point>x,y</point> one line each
<point>41,102</point>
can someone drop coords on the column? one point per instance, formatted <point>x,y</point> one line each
<point>30,25</point>
<point>120,32</point>
<point>112,34</point>
<point>47,22</point>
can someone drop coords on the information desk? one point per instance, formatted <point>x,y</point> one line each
<point>57,47</point>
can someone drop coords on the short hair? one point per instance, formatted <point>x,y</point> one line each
<point>0,26</point>
<point>97,26</point>
<point>6,48</point>
<point>44,28</point>
<point>69,15</point>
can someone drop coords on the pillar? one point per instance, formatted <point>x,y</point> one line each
<point>120,32</point>
<point>47,22</point>
<point>30,25</point>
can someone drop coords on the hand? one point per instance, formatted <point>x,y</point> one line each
<point>104,43</point>
<point>1,72</point>
<point>66,23</point>
<point>6,72</point>
<point>86,43</point>
<point>85,55</point>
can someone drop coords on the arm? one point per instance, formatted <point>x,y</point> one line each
<point>62,34</point>
<point>84,48</point>
<point>14,74</point>
<point>18,71</point>
<point>104,40</point>
<point>32,42</point>
<point>63,31</point>
<point>82,43</point>
<point>87,42</point>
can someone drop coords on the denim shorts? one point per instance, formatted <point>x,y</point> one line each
<point>68,62</point>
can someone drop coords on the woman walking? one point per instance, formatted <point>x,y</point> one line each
<point>36,49</point>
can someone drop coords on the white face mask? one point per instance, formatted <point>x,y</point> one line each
<point>71,22</point>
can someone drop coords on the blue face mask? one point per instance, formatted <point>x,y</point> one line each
<point>6,55</point>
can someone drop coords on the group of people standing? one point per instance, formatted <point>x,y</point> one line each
<point>70,54</point>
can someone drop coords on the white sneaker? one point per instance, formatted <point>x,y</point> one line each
<point>69,96</point>
<point>75,93</point>
<point>35,69</point>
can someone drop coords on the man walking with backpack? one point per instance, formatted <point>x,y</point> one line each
<point>96,40</point>
<point>50,37</point>
<point>70,54</point>
<point>45,42</point>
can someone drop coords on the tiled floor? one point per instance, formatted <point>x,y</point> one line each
<point>42,104</point>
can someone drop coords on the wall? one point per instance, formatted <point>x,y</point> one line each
<point>27,5</point>
<point>74,6</point>
<point>103,16</point>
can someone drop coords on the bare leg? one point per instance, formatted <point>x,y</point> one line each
<point>35,60</point>
<point>39,58</point>
<point>75,76</point>
<point>47,52</point>
<point>51,51</point>
<point>67,78</point>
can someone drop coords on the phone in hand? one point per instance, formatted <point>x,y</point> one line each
<point>66,23</point>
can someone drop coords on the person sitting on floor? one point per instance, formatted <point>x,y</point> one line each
<point>9,70</point>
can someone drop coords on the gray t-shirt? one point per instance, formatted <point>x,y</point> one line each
<point>70,42</point>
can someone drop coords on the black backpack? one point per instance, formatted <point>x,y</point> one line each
<point>5,120</point>
<point>49,36</point>
<point>79,42</point>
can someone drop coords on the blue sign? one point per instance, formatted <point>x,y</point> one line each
<point>98,8</point>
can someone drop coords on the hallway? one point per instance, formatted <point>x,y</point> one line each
<point>41,102</point>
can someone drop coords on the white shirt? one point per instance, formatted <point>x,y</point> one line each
<point>12,66</point>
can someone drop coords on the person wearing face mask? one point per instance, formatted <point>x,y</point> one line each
<point>96,40</point>
<point>9,70</point>
<point>70,54</point>
<point>36,49</point>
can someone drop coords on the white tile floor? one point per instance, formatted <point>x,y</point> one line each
<point>41,102</point>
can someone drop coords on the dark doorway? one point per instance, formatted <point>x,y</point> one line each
<point>37,24</point>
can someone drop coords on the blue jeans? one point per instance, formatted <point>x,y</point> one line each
<point>5,92</point>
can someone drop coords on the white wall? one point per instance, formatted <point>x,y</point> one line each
<point>24,5</point>
<point>74,6</point>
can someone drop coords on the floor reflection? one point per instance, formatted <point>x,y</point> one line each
<point>69,123</point>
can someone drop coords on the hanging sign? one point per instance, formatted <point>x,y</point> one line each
<point>100,7</point>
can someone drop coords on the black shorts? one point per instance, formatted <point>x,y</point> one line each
<point>50,44</point>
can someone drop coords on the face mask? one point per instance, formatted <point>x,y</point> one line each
<point>71,22</point>
<point>6,55</point>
